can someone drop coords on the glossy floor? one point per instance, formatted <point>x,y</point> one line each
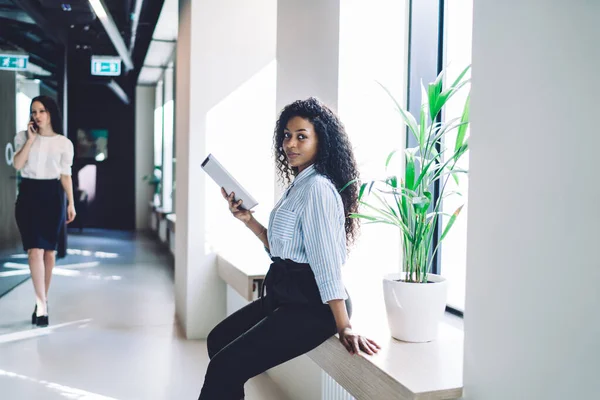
<point>112,334</point>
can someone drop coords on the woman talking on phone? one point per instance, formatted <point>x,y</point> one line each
<point>308,235</point>
<point>44,156</point>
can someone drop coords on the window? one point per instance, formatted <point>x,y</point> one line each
<point>158,125</point>
<point>373,48</point>
<point>164,140</point>
<point>168,110</point>
<point>458,21</point>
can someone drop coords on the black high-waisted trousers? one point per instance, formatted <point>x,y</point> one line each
<point>289,321</point>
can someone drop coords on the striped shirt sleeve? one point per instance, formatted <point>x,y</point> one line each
<point>325,239</point>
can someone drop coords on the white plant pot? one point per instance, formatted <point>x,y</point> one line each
<point>414,310</point>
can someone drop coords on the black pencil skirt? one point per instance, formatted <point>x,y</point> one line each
<point>40,212</point>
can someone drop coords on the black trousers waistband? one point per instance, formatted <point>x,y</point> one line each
<point>289,282</point>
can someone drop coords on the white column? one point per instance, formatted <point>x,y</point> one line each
<point>225,96</point>
<point>532,324</point>
<point>307,51</point>
<point>144,154</point>
<point>308,42</point>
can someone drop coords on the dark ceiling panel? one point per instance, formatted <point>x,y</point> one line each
<point>15,15</point>
<point>7,5</point>
<point>78,30</point>
<point>42,53</point>
<point>65,13</point>
<point>148,19</point>
<point>120,11</point>
<point>36,12</point>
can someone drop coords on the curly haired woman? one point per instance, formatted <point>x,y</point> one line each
<point>308,237</point>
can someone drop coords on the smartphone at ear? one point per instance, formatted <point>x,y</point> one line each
<point>35,126</point>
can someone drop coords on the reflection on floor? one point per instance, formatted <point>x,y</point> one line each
<point>9,277</point>
<point>14,269</point>
<point>112,332</point>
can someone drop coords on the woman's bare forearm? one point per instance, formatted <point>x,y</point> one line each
<point>67,184</point>
<point>22,155</point>
<point>259,230</point>
<point>338,308</point>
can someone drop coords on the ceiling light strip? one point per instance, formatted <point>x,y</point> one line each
<point>112,31</point>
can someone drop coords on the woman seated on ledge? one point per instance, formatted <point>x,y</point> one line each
<point>308,237</point>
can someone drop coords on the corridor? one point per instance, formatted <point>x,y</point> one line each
<point>112,332</point>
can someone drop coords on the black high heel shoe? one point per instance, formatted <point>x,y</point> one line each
<point>42,320</point>
<point>35,320</point>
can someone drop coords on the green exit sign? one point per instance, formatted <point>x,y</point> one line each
<point>14,62</point>
<point>106,66</point>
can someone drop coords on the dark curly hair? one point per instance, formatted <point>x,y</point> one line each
<point>335,158</point>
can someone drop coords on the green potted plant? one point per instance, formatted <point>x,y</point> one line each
<point>154,179</point>
<point>416,299</point>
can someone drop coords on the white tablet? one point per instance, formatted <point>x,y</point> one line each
<point>224,179</point>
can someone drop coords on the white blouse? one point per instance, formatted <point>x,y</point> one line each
<point>49,156</point>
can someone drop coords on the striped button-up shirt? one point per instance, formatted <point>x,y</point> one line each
<point>307,226</point>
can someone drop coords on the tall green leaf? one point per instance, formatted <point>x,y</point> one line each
<point>450,223</point>
<point>426,171</point>
<point>423,126</point>
<point>385,214</point>
<point>460,76</point>
<point>444,127</point>
<point>462,130</point>
<point>409,175</point>
<point>451,172</point>
<point>364,216</point>
<point>389,158</point>
<point>353,181</point>
<point>362,191</point>
<point>434,91</point>
<point>422,203</point>
<point>448,93</point>
<point>409,120</point>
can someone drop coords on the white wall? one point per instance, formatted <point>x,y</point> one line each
<point>532,325</point>
<point>183,92</point>
<point>225,101</point>
<point>144,151</point>
<point>28,87</point>
<point>9,233</point>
